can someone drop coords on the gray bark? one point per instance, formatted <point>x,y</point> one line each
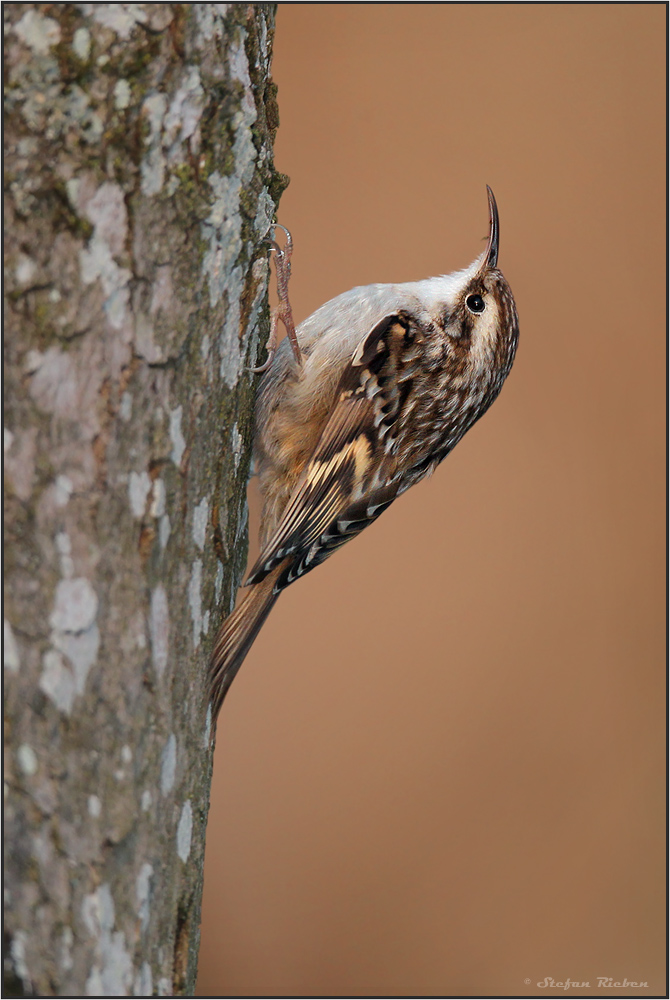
<point>139,182</point>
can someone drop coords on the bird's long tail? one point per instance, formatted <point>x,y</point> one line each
<point>237,634</point>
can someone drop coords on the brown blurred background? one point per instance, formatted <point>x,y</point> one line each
<point>440,770</point>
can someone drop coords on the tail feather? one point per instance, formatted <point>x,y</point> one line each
<point>237,634</point>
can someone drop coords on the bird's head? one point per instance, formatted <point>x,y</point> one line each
<point>475,309</point>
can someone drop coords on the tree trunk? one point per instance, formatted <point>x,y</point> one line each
<point>139,182</point>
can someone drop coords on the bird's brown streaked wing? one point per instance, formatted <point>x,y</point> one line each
<point>348,481</point>
<point>331,491</point>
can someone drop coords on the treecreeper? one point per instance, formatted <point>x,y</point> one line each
<point>361,401</point>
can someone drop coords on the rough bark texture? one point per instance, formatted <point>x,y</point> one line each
<point>139,181</point>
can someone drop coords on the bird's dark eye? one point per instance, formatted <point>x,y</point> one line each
<point>475,303</point>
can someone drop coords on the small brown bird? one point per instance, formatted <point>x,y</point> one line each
<point>367,397</point>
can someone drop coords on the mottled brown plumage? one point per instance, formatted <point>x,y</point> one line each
<point>387,379</point>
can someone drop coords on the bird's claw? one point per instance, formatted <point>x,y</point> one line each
<point>264,367</point>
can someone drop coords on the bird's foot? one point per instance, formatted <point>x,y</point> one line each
<point>282,310</point>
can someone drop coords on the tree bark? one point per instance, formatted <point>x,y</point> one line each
<point>139,183</point>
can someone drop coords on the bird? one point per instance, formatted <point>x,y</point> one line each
<point>363,400</point>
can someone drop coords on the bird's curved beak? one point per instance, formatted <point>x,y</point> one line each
<point>491,252</point>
